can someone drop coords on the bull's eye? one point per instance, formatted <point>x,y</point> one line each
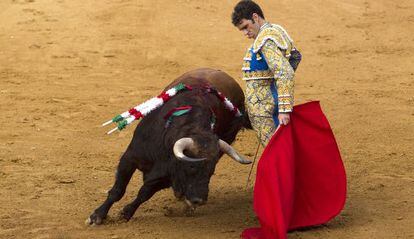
<point>192,169</point>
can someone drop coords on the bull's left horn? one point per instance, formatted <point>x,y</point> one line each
<point>230,151</point>
<point>179,147</point>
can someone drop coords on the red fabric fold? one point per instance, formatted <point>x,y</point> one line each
<point>300,178</point>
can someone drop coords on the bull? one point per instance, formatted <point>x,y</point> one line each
<point>184,154</point>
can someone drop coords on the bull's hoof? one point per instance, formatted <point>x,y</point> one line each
<point>127,213</point>
<point>94,219</point>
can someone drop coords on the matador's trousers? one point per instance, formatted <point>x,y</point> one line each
<point>261,104</point>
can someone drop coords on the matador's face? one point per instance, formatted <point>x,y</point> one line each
<point>250,28</point>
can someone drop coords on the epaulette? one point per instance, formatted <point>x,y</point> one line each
<point>276,34</point>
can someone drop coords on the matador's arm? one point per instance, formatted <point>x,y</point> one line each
<point>283,74</point>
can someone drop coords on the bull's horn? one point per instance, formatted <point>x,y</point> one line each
<point>179,147</point>
<point>230,151</point>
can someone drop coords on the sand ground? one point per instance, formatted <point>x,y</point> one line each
<point>66,66</point>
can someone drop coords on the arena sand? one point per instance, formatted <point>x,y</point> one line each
<point>68,66</point>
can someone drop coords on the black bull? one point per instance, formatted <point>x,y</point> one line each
<point>184,154</point>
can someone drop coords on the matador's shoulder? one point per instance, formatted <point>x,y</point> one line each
<point>274,33</point>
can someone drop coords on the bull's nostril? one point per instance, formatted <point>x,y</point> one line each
<point>196,201</point>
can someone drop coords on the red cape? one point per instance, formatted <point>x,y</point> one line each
<point>300,178</point>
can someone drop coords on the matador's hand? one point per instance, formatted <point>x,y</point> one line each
<point>284,118</point>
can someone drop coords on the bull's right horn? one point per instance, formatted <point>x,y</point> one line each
<point>179,147</point>
<point>230,151</point>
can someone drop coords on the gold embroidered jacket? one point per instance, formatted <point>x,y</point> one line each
<point>268,59</point>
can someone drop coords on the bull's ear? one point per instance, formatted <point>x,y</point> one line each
<point>230,151</point>
<point>182,144</point>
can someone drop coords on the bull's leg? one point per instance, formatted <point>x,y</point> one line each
<point>147,190</point>
<point>126,169</point>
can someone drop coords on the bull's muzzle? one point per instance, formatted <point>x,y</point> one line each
<point>196,201</point>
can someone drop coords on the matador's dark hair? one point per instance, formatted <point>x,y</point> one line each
<point>244,10</point>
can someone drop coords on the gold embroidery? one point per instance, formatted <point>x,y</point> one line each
<point>246,66</point>
<point>260,106</point>
<point>248,55</point>
<point>264,127</point>
<point>256,75</point>
<point>275,33</point>
<point>283,74</point>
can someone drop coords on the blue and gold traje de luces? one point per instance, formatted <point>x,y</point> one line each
<point>255,66</point>
<point>262,93</point>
